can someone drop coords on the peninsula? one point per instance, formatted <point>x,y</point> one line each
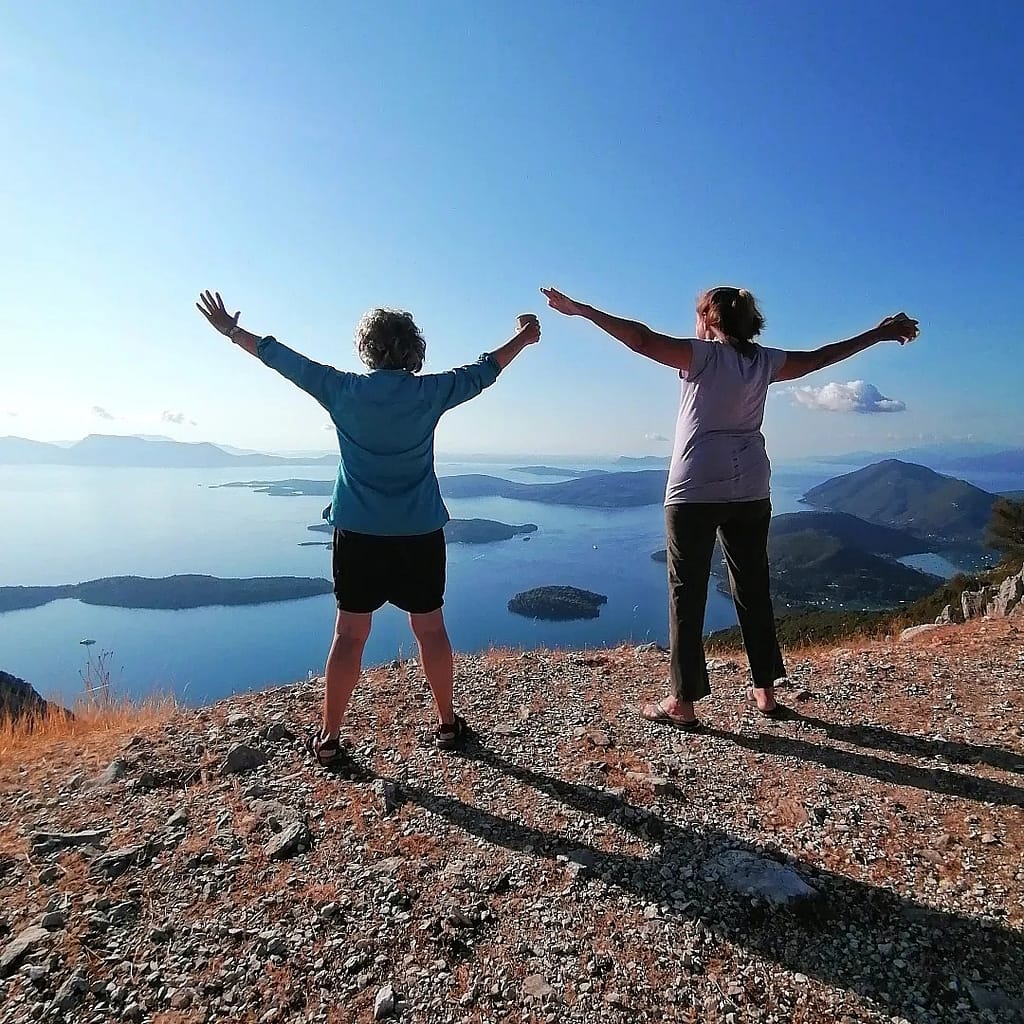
<point>594,490</point>
<point>167,592</point>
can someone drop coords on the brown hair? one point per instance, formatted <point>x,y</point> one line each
<point>734,312</point>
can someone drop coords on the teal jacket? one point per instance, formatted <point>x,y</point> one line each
<point>385,421</point>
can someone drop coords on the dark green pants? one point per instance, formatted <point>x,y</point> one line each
<point>742,527</point>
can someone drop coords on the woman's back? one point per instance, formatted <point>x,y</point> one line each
<point>719,453</point>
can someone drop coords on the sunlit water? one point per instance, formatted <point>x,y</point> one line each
<point>63,525</point>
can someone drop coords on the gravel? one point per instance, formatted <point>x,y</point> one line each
<point>861,862</point>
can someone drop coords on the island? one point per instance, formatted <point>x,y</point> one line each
<point>594,490</point>
<point>168,592</point>
<point>459,531</point>
<point>913,498</point>
<point>555,471</point>
<point>557,604</point>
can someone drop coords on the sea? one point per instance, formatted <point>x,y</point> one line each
<point>68,524</point>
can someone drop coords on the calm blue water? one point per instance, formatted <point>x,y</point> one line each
<point>63,525</point>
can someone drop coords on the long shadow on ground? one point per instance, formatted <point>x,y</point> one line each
<point>836,942</point>
<point>935,780</point>
<point>881,738</point>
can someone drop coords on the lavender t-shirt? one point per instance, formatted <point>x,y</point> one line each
<point>719,452</point>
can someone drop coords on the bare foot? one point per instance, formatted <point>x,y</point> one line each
<point>681,712</point>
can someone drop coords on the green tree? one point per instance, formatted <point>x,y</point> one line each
<point>1006,529</point>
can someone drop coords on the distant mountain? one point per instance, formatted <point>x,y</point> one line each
<point>643,460</point>
<point>910,497</point>
<point>556,471</point>
<point>1009,461</point>
<point>168,592</point>
<point>140,452</point>
<point>936,456</point>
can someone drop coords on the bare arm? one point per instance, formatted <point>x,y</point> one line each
<point>638,337</point>
<point>899,327</point>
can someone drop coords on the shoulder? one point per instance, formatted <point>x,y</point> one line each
<point>773,357</point>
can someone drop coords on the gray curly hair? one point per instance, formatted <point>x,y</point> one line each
<point>388,339</point>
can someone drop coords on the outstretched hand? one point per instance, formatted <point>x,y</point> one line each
<point>212,307</point>
<point>898,327</point>
<point>562,303</point>
<point>528,329</point>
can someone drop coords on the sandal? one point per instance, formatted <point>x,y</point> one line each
<point>777,714</point>
<point>451,735</point>
<point>656,713</point>
<point>327,750</point>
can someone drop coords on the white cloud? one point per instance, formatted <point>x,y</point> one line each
<point>13,415</point>
<point>657,438</point>
<point>853,396</point>
<point>98,410</point>
<point>175,417</point>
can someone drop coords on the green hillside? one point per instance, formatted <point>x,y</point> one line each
<point>911,497</point>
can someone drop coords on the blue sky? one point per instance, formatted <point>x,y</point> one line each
<point>842,161</point>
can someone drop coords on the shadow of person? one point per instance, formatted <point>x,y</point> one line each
<point>838,942</point>
<point>880,738</point>
<point>934,780</point>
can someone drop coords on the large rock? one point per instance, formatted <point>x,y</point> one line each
<point>51,842</point>
<point>975,602</point>
<point>18,698</point>
<point>950,615</point>
<point>912,631</point>
<point>290,841</point>
<point>1007,597</point>
<point>17,949</point>
<point>384,1003</point>
<point>749,875</point>
<point>115,863</point>
<point>243,758</point>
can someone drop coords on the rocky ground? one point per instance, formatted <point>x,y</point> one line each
<point>862,861</point>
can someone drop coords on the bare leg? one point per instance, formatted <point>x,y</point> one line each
<point>436,655</point>
<point>344,663</point>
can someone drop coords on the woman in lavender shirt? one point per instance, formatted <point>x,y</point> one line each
<point>718,483</point>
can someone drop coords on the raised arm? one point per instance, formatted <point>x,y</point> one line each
<point>314,378</point>
<point>898,327</point>
<point>669,351</point>
<point>466,382</point>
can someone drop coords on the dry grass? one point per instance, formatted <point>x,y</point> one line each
<point>101,721</point>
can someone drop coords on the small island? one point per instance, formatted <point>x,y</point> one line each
<point>168,592</point>
<point>483,531</point>
<point>557,604</point>
<point>461,531</point>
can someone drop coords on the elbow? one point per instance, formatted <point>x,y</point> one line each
<point>639,339</point>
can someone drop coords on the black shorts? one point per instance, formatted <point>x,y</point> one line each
<point>408,572</point>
